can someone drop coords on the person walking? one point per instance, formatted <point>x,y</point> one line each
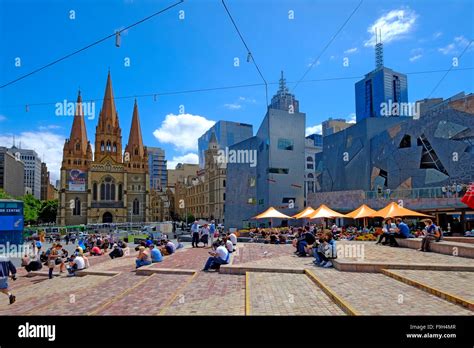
<point>7,268</point>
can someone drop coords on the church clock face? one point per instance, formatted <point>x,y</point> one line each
<point>136,178</point>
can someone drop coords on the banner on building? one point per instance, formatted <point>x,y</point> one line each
<point>77,180</point>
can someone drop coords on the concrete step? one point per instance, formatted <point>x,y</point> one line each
<point>445,247</point>
<point>455,287</point>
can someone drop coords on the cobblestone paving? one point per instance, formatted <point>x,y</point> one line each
<point>288,294</point>
<point>48,291</point>
<point>89,298</point>
<point>149,297</point>
<point>377,294</point>
<point>211,294</point>
<point>251,252</point>
<point>456,283</point>
<point>189,258</point>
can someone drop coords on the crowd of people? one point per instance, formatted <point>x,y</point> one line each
<point>150,251</point>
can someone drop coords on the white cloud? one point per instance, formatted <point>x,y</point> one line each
<point>232,106</point>
<point>317,129</point>
<point>459,43</point>
<point>352,118</point>
<point>437,34</point>
<point>351,50</point>
<point>415,57</point>
<point>394,25</point>
<point>2,118</point>
<point>48,146</point>
<point>182,130</point>
<point>190,158</point>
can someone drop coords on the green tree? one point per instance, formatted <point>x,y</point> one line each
<point>48,210</point>
<point>4,195</point>
<point>31,207</point>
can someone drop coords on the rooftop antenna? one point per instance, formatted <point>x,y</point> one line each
<point>378,49</point>
<point>13,140</point>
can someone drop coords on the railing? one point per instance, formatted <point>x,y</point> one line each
<point>426,192</point>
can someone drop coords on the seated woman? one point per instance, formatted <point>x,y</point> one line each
<point>387,230</point>
<point>430,234</point>
<point>326,251</point>
<point>143,258</point>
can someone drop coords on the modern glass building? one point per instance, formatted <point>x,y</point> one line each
<point>227,133</point>
<point>383,85</point>
<point>157,167</point>
<point>278,178</point>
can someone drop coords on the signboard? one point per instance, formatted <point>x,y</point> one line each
<point>76,180</point>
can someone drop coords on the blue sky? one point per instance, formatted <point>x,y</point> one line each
<point>170,54</point>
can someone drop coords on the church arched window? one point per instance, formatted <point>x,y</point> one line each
<point>136,207</point>
<point>77,207</point>
<point>102,146</point>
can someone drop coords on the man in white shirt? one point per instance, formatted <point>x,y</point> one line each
<point>229,246</point>
<point>195,234</point>
<point>233,238</point>
<point>218,257</point>
<point>77,263</point>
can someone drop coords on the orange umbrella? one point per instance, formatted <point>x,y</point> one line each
<point>272,213</point>
<point>363,211</point>
<point>324,212</point>
<point>304,213</point>
<point>394,210</point>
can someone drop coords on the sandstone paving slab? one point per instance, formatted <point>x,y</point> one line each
<point>49,291</point>
<point>89,298</point>
<point>287,294</point>
<point>149,297</point>
<point>211,294</point>
<point>377,294</point>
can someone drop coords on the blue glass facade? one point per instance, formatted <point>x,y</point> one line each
<point>380,86</point>
<point>227,133</point>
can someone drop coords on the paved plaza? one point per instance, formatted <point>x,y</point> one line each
<point>261,279</point>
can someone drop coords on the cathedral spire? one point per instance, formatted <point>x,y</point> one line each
<point>108,135</point>
<point>108,114</point>
<point>135,141</point>
<point>78,130</point>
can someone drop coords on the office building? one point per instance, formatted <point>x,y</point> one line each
<point>32,176</point>
<point>157,167</point>
<point>11,173</point>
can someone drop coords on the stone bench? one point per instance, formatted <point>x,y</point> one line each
<point>442,247</point>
